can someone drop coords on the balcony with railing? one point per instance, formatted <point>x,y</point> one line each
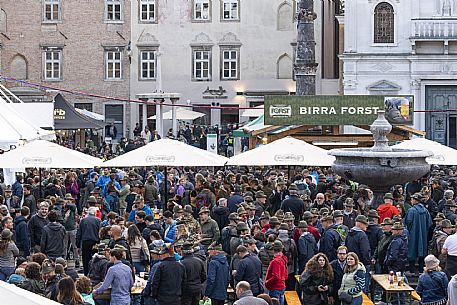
<point>434,29</point>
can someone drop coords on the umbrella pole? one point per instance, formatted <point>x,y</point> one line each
<point>39,187</point>
<point>165,191</point>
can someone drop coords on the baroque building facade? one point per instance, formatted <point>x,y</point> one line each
<point>406,47</point>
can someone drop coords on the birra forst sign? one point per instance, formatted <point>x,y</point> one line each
<point>337,110</point>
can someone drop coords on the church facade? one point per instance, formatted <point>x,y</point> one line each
<point>406,47</point>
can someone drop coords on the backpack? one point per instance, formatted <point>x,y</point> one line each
<point>226,236</point>
<point>433,246</point>
<point>343,234</point>
<point>202,200</point>
<point>302,187</point>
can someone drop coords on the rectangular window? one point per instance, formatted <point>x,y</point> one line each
<point>201,10</point>
<point>147,65</point>
<point>229,64</point>
<point>52,10</point>
<point>113,64</point>
<point>113,10</point>
<point>52,64</point>
<point>230,9</point>
<point>202,65</point>
<point>147,10</point>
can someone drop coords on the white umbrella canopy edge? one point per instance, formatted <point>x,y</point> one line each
<point>182,114</point>
<point>285,151</point>
<point>16,295</point>
<point>442,155</point>
<point>44,154</point>
<point>167,152</point>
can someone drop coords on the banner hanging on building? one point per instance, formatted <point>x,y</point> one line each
<point>337,109</point>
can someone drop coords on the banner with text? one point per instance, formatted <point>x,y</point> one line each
<point>337,109</point>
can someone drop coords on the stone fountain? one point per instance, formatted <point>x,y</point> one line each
<point>380,167</point>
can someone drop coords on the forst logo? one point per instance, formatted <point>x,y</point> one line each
<point>280,111</point>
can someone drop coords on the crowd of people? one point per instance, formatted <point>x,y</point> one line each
<point>87,236</point>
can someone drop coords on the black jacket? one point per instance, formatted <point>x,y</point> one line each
<point>397,253</point>
<point>22,235</point>
<point>310,284</point>
<point>357,241</point>
<point>121,241</point>
<point>374,233</point>
<point>196,274</point>
<point>168,282</point>
<point>250,270</point>
<point>147,231</point>
<point>52,240</point>
<point>36,225</point>
<point>97,269</point>
<point>220,215</point>
<point>295,205</point>
<point>88,230</point>
<point>338,273</point>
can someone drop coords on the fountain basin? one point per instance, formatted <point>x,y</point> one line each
<point>380,169</point>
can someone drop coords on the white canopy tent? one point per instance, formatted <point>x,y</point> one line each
<point>12,294</point>
<point>44,154</point>
<point>167,152</point>
<point>182,114</point>
<point>286,151</point>
<point>442,155</point>
<point>90,114</point>
<point>15,128</point>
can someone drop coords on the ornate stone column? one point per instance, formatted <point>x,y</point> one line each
<point>305,66</point>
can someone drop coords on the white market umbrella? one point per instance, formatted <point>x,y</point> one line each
<point>442,155</point>
<point>44,154</point>
<point>182,114</point>
<point>12,294</point>
<point>286,151</point>
<point>90,114</point>
<point>167,152</point>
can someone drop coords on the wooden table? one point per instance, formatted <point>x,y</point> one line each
<point>391,290</point>
<point>138,286</point>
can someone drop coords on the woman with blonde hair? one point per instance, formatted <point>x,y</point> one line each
<point>433,283</point>
<point>316,281</point>
<point>353,281</point>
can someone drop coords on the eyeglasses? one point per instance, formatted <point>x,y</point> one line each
<point>342,253</point>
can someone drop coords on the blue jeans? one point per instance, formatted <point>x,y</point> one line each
<point>5,273</point>
<point>279,294</point>
<point>357,300</point>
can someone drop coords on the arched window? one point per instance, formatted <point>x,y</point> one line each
<point>284,67</point>
<point>384,23</point>
<point>285,17</point>
<point>19,68</point>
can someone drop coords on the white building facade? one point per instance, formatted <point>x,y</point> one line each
<point>406,47</point>
<point>226,53</point>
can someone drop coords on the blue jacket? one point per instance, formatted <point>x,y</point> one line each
<point>171,234</point>
<point>397,253</point>
<point>329,242</point>
<point>234,201</point>
<point>374,233</point>
<point>357,241</point>
<point>307,247</point>
<point>22,235</point>
<point>17,189</point>
<point>146,209</point>
<point>218,277</point>
<point>417,221</point>
<point>432,286</point>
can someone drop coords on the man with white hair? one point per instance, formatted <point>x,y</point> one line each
<point>36,224</point>
<point>87,236</point>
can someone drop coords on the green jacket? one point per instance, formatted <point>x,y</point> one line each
<point>210,232</point>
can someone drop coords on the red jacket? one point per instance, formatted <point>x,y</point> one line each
<point>277,273</point>
<point>314,231</point>
<point>387,210</point>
